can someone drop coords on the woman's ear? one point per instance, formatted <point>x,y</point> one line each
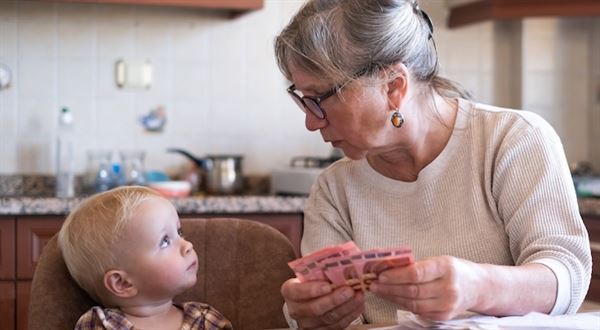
<point>397,87</point>
<point>118,283</point>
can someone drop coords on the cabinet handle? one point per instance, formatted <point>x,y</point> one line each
<point>595,246</point>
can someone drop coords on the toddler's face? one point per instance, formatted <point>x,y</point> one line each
<point>159,260</point>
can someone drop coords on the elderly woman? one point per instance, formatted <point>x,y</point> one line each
<point>482,194</point>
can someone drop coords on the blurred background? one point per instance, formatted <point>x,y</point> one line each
<point>210,75</point>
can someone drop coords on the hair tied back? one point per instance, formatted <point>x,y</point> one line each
<point>423,14</point>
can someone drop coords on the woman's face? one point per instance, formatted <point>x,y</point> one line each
<point>356,122</point>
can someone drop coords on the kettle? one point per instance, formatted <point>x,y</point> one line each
<point>220,174</point>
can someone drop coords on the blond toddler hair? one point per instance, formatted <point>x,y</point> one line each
<point>89,239</point>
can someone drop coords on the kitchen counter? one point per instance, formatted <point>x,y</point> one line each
<point>195,205</point>
<point>190,205</point>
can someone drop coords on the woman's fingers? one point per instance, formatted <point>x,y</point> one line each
<point>318,307</point>
<point>293,290</point>
<point>427,290</point>
<point>419,272</point>
<point>337,318</point>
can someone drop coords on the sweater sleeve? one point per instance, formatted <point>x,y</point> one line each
<point>536,200</point>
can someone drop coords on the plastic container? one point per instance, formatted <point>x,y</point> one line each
<point>172,189</point>
<point>65,155</point>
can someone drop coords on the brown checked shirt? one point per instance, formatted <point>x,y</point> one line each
<point>196,316</point>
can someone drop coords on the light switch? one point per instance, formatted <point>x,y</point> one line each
<point>133,74</point>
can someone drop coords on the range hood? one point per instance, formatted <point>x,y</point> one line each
<point>484,10</point>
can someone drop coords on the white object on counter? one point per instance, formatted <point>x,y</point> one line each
<point>294,180</point>
<point>172,189</point>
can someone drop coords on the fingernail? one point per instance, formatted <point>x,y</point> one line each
<point>383,279</point>
<point>325,289</point>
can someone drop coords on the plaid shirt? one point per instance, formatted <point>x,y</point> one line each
<point>196,316</point>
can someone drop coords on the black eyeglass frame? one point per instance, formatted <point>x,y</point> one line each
<point>317,109</point>
<point>311,103</point>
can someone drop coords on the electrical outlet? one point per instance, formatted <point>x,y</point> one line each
<point>133,74</point>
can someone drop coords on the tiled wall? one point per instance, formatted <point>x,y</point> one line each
<point>219,83</point>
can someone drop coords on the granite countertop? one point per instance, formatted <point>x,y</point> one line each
<point>194,205</point>
<point>190,205</point>
<point>22,194</point>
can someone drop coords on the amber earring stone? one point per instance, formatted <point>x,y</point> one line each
<point>397,119</point>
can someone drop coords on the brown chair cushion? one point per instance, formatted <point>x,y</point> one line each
<point>242,265</point>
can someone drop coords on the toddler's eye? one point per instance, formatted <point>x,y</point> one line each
<point>180,232</point>
<point>165,242</point>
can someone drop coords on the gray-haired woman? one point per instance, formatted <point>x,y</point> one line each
<point>482,194</point>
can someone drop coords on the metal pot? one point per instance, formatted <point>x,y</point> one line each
<point>220,174</point>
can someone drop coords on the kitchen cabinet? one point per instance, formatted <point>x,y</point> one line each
<point>7,273</point>
<point>7,305</point>
<point>483,10</point>
<point>592,223</point>
<point>235,7</point>
<point>22,239</point>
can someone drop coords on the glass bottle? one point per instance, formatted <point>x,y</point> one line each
<point>65,155</point>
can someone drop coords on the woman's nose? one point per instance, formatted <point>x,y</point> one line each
<point>313,123</point>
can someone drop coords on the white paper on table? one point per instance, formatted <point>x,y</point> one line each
<point>582,321</point>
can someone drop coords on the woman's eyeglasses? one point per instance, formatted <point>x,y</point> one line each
<point>309,103</point>
<point>313,104</point>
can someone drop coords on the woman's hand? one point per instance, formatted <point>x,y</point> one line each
<point>437,288</point>
<point>314,305</point>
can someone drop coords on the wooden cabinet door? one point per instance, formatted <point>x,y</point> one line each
<point>32,235</point>
<point>7,249</point>
<point>7,305</point>
<point>22,305</point>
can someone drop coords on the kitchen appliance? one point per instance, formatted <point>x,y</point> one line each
<point>298,178</point>
<point>219,174</point>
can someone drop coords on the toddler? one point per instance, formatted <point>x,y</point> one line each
<point>125,248</point>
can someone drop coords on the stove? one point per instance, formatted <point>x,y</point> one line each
<point>297,178</point>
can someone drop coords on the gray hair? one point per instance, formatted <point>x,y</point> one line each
<point>342,39</point>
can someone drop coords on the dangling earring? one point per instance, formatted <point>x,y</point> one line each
<point>397,119</point>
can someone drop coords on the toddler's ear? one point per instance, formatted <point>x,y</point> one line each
<point>117,283</point>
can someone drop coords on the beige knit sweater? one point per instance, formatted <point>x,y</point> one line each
<point>500,193</point>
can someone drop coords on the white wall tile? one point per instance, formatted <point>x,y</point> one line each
<point>114,31</point>
<point>36,76</point>
<point>152,31</point>
<point>191,80</point>
<point>76,77</point>
<point>8,131</point>
<point>36,127</point>
<point>36,28</point>
<point>219,83</point>
<point>541,46</point>
<point>8,31</point>
<point>75,36</point>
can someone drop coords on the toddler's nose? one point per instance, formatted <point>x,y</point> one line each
<point>187,247</point>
